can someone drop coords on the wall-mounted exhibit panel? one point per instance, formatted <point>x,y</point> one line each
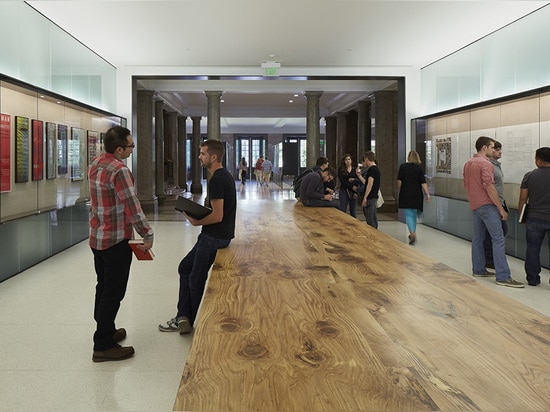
<point>47,142</point>
<point>447,141</point>
<point>522,125</point>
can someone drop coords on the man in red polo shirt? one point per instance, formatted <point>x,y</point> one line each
<point>487,213</point>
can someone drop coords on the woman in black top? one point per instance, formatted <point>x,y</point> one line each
<point>411,182</point>
<point>348,186</point>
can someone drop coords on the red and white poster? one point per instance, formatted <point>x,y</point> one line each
<point>5,151</point>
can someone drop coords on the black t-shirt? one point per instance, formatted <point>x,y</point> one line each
<point>410,194</point>
<point>373,172</point>
<point>222,186</point>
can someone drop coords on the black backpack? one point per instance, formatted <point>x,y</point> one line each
<point>297,182</point>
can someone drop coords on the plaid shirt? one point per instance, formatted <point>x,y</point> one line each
<point>114,204</point>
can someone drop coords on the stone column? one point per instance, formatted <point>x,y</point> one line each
<point>145,152</point>
<point>213,129</point>
<point>196,169</point>
<point>363,128</point>
<point>182,152</point>
<point>171,147</point>
<point>341,133</point>
<point>350,143</point>
<point>384,112</point>
<point>159,151</point>
<point>330,139</point>
<point>312,127</point>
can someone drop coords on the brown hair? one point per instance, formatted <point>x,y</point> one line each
<point>214,147</point>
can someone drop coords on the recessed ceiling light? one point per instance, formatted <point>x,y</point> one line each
<point>291,101</point>
<point>296,95</point>
<point>222,100</point>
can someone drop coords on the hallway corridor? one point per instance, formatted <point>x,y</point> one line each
<point>47,321</point>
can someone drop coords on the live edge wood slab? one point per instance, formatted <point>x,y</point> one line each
<point>312,310</point>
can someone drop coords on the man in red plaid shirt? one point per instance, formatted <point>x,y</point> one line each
<point>115,211</point>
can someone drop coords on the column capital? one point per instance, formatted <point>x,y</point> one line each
<point>213,93</point>
<point>313,94</point>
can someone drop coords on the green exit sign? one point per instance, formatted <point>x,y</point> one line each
<point>270,71</point>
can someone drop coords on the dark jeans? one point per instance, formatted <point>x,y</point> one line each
<point>321,203</point>
<point>488,244</point>
<point>112,267</point>
<point>370,213</point>
<point>243,177</point>
<point>193,271</point>
<point>536,229</point>
<point>346,200</point>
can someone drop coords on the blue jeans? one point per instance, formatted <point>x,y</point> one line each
<point>346,200</point>
<point>193,271</point>
<point>487,218</point>
<point>410,219</point>
<point>536,229</point>
<point>488,244</point>
<point>370,213</point>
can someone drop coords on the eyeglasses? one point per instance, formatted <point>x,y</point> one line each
<point>132,146</point>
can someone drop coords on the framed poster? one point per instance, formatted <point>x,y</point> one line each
<point>62,150</point>
<point>93,145</point>
<point>37,149</point>
<point>5,151</point>
<point>77,153</point>
<point>21,149</point>
<point>51,151</point>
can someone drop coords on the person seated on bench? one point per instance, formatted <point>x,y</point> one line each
<point>312,191</point>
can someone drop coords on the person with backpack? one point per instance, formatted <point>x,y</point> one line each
<point>312,190</point>
<point>320,165</point>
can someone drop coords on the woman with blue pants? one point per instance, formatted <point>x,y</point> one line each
<point>411,186</point>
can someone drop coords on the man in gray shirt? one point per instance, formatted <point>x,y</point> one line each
<point>499,186</point>
<point>534,191</point>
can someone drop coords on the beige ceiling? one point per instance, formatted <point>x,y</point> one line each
<point>227,34</point>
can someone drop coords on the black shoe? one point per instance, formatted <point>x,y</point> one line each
<point>116,353</point>
<point>490,266</point>
<point>120,334</point>
<point>533,281</point>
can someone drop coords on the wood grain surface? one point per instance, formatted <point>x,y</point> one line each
<point>312,310</point>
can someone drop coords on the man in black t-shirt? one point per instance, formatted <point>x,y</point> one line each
<point>218,228</point>
<point>371,181</point>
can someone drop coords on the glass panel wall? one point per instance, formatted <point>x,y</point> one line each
<point>47,144</point>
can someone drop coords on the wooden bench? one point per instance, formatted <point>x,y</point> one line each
<point>312,310</point>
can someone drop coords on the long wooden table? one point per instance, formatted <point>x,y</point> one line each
<point>312,310</point>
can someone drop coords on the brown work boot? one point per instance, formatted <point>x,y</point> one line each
<point>116,353</point>
<point>120,334</point>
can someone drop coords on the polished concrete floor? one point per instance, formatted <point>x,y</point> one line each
<point>46,319</point>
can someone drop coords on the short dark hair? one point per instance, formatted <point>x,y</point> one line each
<point>370,156</point>
<point>321,161</point>
<point>543,154</point>
<point>483,141</point>
<point>498,145</point>
<point>116,136</point>
<point>331,171</point>
<point>216,147</point>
